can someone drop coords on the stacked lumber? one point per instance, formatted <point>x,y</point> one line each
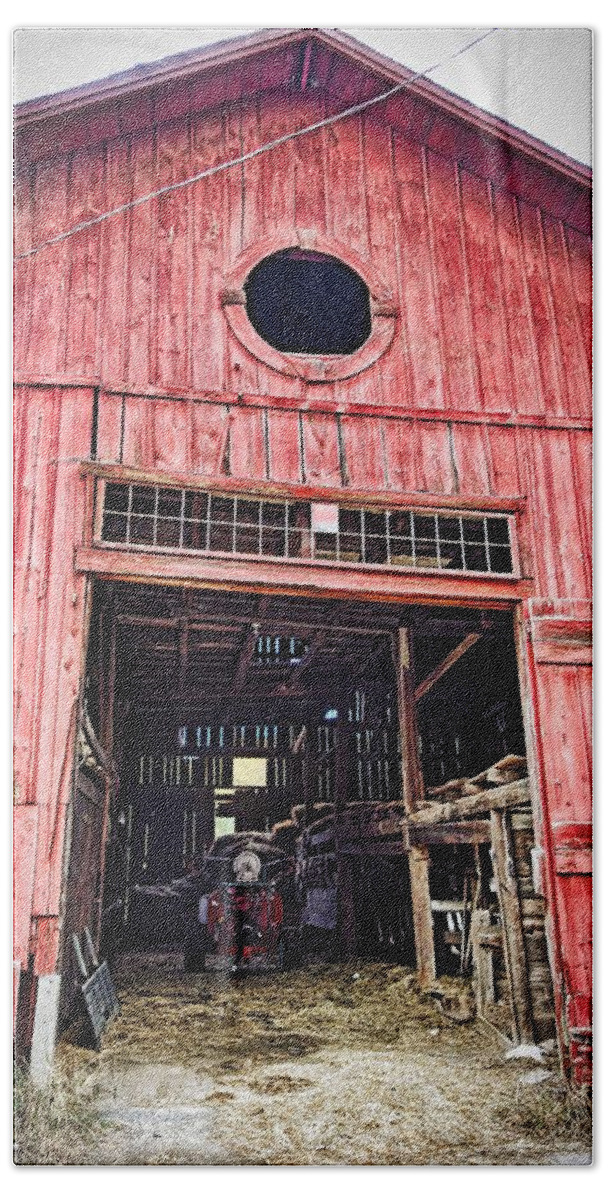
<point>503,785</point>
<point>366,828</point>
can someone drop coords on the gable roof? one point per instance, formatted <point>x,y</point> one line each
<point>329,60</point>
<point>376,66</point>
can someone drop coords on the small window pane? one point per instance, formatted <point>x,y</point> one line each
<point>400,524</point>
<point>273,515</point>
<point>473,530</point>
<point>350,547</point>
<point>167,532</point>
<point>451,556</point>
<point>117,497</point>
<point>299,516</point>
<point>296,549</point>
<point>424,527</point>
<point>426,553</point>
<point>375,524</point>
<point>195,535</point>
<point>273,542</point>
<point>222,508</point>
<point>248,539</point>
<point>326,545</point>
<point>498,530</point>
<point>220,537</point>
<point>114,528</point>
<point>142,530</point>
<point>500,560</point>
<point>375,549</point>
<point>350,520</point>
<point>449,528</point>
<point>475,557</point>
<point>169,502</point>
<point>248,512</point>
<point>401,552</point>
<point>143,500</point>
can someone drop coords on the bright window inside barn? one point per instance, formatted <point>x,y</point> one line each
<point>212,523</point>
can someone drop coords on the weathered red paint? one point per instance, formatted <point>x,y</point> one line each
<point>478,236</point>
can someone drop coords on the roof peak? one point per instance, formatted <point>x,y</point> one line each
<point>239,50</point>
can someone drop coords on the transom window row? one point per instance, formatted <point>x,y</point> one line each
<point>140,515</point>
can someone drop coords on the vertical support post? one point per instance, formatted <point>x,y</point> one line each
<point>413,796</point>
<point>513,933</point>
<point>46,1015</point>
<point>107,687</point>
<point>309,773</point>
<point>346,906</point>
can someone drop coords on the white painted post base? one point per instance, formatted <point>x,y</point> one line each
<point>45,1029</point>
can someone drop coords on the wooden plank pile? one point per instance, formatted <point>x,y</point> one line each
<point>493,807</point>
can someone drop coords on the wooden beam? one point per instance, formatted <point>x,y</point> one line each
<point>509,795</point>
<point>413,797</point>
<point>296,673</point>
<point>449,833</point>
<point>446,665</point>
<point>423,917</point>
<point>513,934</point>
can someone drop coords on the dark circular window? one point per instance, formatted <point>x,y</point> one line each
<point>302,302</point>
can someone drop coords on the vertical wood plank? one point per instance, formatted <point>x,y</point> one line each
<point>138,435</point>
<point>472,459</point>
<point>521,345</point>
<point>512,929</point>
<point>571,341</point>
<point>24,270</point>
<point>413,796</point>
<point>115,265</point>
<point>435,465</point>
<point>109,427</point>
<point>321,450</point>
<point>484,292</point>
<point>171,258</point>
<point>363,452</point>
<point>170,421</point>
<point>401,455</point>
<point>579,254</point>
<point>86,200</point>
<point>543,320</point>
<point>247,451</point>
<point>461,373</point>
<point>345,192</point>
<point>416,292</point>
<point>209,432</point>
<point>208,324</point>
<point>284,446</point>
<point>46,343</point>
<point>139,347</point>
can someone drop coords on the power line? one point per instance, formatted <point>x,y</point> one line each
<point>242,158</point>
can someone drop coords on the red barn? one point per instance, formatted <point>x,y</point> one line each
<point>304,445</point>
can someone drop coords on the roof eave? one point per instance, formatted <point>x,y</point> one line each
<point>233,50</point>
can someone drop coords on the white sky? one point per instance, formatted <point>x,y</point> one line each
<point>538,79</point>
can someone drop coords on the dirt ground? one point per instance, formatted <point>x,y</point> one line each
<point>323,1065</point>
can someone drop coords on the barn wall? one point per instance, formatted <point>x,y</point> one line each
<point>493,293</point>
<point>52,433</point>
<point>484,395</point>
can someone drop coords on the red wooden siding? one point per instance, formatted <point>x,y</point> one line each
<point>482,398</point>
<point>53,430</point>
<point>493,296</point>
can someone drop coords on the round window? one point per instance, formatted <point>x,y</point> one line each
<point>303,302</point>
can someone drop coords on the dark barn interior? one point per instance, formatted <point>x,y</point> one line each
<point>231,719</point>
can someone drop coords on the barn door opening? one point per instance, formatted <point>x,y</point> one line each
<point>374,751</point>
